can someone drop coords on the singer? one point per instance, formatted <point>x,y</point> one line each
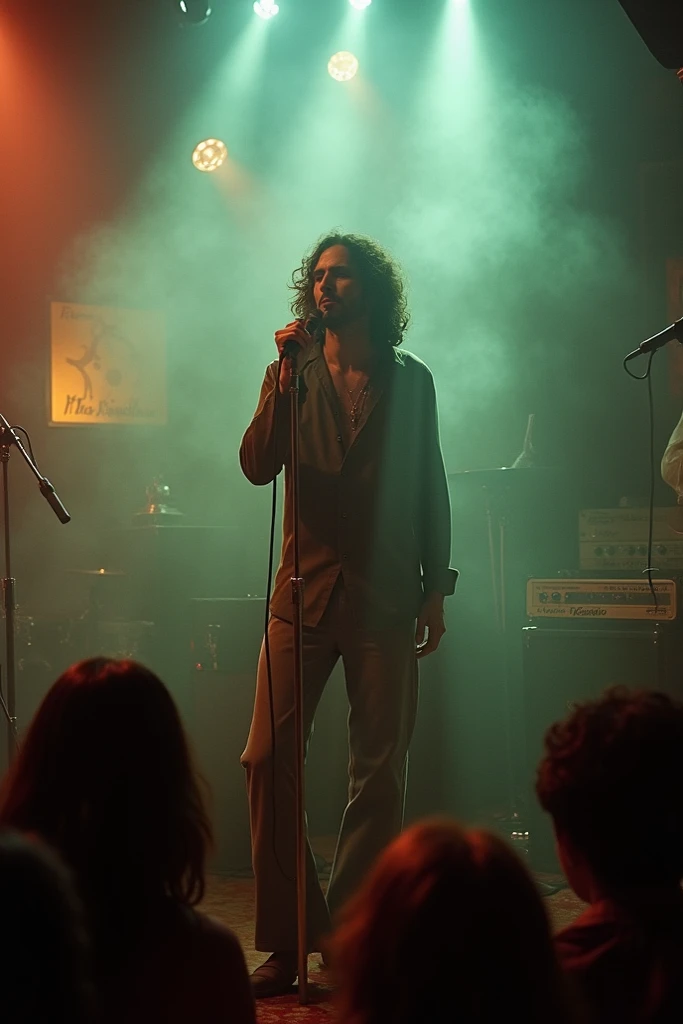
<point>375,550</point>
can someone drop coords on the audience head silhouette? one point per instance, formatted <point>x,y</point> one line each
<point>104,775</point>
<point>45,956</point>
<point>612,780</point>
<point>449,918</point>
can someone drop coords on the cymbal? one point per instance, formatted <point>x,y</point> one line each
<point>98,572</point>
<point>500,469</point>
<point>500,475</point>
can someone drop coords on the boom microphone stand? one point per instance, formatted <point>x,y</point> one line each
<point>9,437</point>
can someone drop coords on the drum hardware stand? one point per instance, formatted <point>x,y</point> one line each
<point>517,829</point>
<point>497,563</point>
<point>9,437</point>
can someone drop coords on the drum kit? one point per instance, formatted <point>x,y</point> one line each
<point>51,643</point>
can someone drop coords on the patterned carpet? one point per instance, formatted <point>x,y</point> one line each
<point>231,900</point>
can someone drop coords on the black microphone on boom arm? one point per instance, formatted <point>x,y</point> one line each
<point>292,348</point>
<point>672,333</point>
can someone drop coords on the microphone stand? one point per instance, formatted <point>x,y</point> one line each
<point>672,333</point>
<point>298,678</point>
<point>9,437</point>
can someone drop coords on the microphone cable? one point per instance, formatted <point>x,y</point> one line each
<point>266,636</point>
<point>311,325</point>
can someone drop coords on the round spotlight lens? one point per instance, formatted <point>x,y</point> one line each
<point>193,12</point>
<point>209,155</point>
<point>360,5</point>
<point>343,66</point>
<point>266,9</point>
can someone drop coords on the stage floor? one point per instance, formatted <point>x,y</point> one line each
<point>231,900</point>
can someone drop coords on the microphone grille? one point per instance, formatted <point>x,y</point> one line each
<point>313,321</point>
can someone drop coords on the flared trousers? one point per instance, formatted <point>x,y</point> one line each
<point>381,674</point>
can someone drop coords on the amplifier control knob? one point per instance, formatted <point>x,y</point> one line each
<point>556,596</point>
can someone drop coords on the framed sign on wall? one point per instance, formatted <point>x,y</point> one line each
<point>107,365</point>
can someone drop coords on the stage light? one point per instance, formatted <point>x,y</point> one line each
<point>266,9</point>
<point>209,155</point>
<point>360,5</point>
<point>342,66</point>
<point>192,12</point>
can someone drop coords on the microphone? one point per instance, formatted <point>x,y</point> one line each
<point>672,333</point>
<point>312,322</point>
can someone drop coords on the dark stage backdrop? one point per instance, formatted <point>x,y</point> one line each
<point>522,160</point>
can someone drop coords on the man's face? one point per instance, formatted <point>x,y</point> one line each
<point>337,291</point>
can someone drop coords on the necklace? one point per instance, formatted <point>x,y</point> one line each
<point>357,399</point>
<point>352,400</point>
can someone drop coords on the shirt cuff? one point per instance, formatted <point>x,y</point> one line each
<point>443,581</point>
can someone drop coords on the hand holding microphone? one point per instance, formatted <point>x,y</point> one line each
<point>290,340</point>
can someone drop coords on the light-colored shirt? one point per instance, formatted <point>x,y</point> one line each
<point>672,461</point>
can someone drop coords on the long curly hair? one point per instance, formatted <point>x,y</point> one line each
<point>382,281</point>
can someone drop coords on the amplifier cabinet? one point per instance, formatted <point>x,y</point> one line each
<point>600,600</point>
<point>617,538</point>
<point>564,667</point>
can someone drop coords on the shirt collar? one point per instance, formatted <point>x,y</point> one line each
<point>315,352</point>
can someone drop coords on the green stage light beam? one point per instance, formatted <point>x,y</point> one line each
<point>225,107</point>
<point>336,117</point>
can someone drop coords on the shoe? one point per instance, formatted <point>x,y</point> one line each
<point>276,976</point>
